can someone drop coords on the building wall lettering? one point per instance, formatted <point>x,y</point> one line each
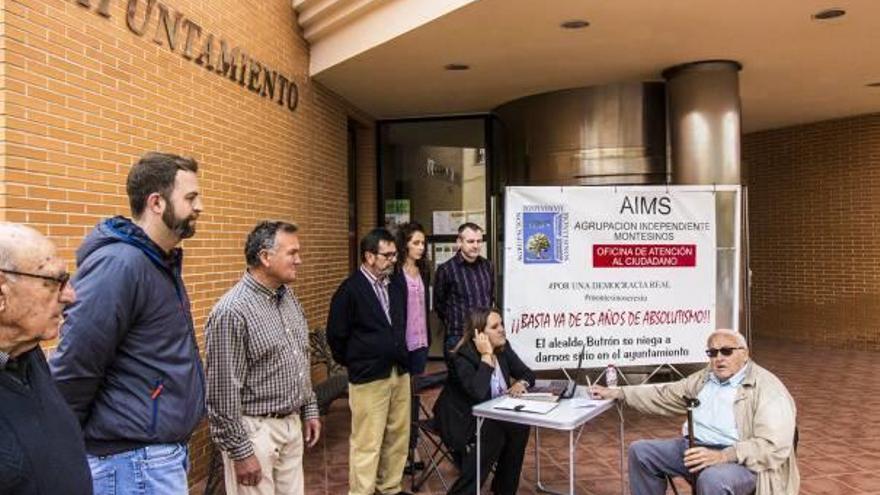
<point>183,35</point>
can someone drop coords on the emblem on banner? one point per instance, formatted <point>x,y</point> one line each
<point>542,235</point>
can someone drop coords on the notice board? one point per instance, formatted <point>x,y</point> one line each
<point>627,273</point>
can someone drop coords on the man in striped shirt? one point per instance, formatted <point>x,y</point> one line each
<point>464,282</point>
<point>257,362</point>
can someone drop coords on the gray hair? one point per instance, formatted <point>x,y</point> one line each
<point>740,339</point>
<point>262,238</point>
<point>15,241</point>
<point>7,259</point>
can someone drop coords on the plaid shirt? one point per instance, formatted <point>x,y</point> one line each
<point>460,286</point>
<point>257,361</point>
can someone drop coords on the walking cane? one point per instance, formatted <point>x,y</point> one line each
<point>691,404</point>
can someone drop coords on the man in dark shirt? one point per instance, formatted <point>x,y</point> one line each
<point>466,281</point>
<point>41,446</point>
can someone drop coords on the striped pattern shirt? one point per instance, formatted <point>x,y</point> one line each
<point>257,361</point>
<point>460,286</point>
<point>380,287</point>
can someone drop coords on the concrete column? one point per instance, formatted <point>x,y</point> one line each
<point>704,122</point>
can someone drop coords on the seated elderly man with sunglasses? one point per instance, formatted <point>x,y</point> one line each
<point>744,427</point>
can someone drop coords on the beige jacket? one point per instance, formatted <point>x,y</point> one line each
<point>765,420</point>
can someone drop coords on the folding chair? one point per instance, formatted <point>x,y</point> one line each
<point>433,452</point>
<point>426,436</point>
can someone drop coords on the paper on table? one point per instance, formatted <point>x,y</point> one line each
<point>584,402</point>
<point>528,406</point>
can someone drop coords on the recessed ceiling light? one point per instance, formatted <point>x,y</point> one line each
<point>574,24</point>
<point>824,15</point>
<point>456,66</point>
<point>873,84</point>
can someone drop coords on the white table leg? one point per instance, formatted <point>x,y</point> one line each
<point>479,427</point>
<point>571,462</point>
<point>539,485</point>
<point>622,450</point>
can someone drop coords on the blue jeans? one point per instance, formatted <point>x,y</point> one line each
<point>651,460</point>
<point>152,470</point>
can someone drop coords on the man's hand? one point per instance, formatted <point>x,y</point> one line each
<point>699,458</point>
<point>600,392</point>
<point>312,433</point>
<point>248,471</point>
<point>517,389</point>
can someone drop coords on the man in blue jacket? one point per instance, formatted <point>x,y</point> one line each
<point>128,363</point>
<point>41,446</point>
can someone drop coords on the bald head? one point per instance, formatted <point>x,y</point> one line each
<point>21,245</point>
<point>33,299</point>
<point>727,334</point>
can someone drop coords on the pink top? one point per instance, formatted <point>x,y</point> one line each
<point>416,322</point>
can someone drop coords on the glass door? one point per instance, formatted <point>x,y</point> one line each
<point>434,172</point>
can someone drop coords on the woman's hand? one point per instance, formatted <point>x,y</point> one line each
<point>517,389</point>
<point>484,347</point>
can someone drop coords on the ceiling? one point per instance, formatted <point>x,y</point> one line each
<point>795,69</point>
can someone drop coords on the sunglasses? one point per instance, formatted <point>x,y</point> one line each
<point>725,351</point>
<point>61,279</point>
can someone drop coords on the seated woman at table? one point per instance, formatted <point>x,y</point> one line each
<point>482,367</point>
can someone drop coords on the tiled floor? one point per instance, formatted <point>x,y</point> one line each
<point>838,399</point>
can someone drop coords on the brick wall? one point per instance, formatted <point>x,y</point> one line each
<point>815,232</point>
<point>83,97</point>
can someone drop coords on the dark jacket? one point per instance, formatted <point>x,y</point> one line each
<point>398,278</point>
<point>127,362</point>
<point>359,334</point>
<point>41,446</point>
<point>468,384</point>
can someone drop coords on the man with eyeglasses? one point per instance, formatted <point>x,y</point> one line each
<point>464,282</point>
<point>41,446</point>
<point>366,331</point>
<point>127,362</point>
<point>744,427</point>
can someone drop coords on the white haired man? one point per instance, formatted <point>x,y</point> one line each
<point>744,427</point>
<point>41,444</point>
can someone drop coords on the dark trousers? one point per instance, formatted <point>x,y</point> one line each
<point>501,442</point>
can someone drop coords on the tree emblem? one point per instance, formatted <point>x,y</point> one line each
<point>538,244</point>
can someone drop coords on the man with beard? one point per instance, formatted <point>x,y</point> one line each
<point>366,330</point>
<point>127,362</point>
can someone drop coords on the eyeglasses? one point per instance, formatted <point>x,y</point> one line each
<point>61,279</point>
<point>388,256</point>
<point>725,351</point>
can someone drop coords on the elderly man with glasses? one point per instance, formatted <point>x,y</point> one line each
<point>41,445</point>
<point>744,427</point>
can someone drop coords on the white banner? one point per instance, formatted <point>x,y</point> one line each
<point>627,271</point>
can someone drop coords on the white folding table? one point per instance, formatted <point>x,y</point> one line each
<point>565,417</point>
